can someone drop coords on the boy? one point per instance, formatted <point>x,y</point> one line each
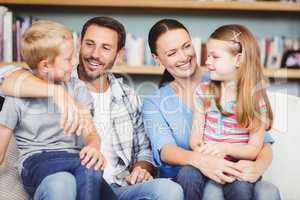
<point>47,48</point>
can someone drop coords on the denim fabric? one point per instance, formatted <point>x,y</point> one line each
<point>39,166</point>
<point>60,185</point>
<point>238,190</point>
<point>192,182</point>
<point>156,189</point>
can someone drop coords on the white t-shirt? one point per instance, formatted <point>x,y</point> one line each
<point>102,121</point>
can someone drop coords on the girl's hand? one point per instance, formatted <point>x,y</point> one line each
<point>250,171</point>
<point>196,141</point>
<point>213,149</point>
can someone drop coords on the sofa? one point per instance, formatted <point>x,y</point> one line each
<point>284,171</point>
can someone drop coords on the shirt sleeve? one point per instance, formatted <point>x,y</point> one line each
<point>199,96</point>
<point>5,71</point>
<point>141,143</point>
<point>268,138</point>
<point>9,115</point>
<point>157,129</point>
<point>262,106</point>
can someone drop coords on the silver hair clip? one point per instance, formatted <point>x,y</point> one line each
<point>236,41</point>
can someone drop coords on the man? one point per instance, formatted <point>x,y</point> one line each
<point>117,113</point>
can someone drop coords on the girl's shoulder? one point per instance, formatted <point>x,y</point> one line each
<point>201,88</point>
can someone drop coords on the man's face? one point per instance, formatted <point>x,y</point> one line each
<point>98,52</point>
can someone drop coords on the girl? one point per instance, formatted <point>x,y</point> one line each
<point>232,111</point>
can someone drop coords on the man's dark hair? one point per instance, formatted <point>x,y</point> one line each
<point>107,22</point>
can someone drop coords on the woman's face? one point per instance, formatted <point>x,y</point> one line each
<point>176,53</point>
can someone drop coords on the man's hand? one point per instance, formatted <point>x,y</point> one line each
<point>91,156</point>
<point>138,175</point>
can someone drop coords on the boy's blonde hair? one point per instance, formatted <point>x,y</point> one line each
<point>44,40</point>
<point>251,81</point>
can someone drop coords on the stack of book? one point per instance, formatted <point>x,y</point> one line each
<point>137,52</point>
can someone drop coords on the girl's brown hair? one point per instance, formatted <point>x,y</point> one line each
<point>251,82</point>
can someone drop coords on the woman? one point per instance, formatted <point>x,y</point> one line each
<point>168,117</point>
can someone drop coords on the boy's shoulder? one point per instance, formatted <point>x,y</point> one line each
<point>78,89</point>
<point>74,83</point>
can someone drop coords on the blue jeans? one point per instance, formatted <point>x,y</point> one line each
<point>60,185</point>
<point>196,186</point>
<point>238,190</point>
<point>156,189</point>
<point>263,190</point>
<point>40,167</point>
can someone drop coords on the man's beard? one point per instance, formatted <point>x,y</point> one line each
<point>89,76</point>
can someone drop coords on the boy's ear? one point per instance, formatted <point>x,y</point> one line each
<point>238,60</point>
<point>156,59</point>
<point>43,65</point>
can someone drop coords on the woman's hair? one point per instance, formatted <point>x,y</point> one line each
<point>158,29</point>
<point>251,93</point>
<point>44,40</point>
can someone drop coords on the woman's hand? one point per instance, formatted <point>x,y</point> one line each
<point>217,169</point>
<point>250,170</point>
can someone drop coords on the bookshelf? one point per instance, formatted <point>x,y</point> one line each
<point>166,4</point>
<point>155,70</point>
<point>288,9</point>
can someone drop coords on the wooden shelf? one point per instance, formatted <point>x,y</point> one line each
<point>146,70</point>
<point>282,73</point>
<point>122,69</point>
<point>155,70</point>
<point>166,4</point>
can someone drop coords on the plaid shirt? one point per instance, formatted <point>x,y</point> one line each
<point>129,139</point>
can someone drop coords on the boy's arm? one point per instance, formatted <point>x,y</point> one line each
<point>6,134</point>
<point>21,83</point>
<point>90,155</point>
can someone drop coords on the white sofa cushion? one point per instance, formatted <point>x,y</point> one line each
<point>10,182</point>
<point>284,171</point>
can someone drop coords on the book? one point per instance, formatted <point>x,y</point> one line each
<point>3,10</point>
<point>7,37</point>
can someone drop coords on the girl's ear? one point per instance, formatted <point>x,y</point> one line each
<point>156,59</point>
<point>238,60</point>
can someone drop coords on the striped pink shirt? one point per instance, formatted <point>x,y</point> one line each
<point>219,127</point>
